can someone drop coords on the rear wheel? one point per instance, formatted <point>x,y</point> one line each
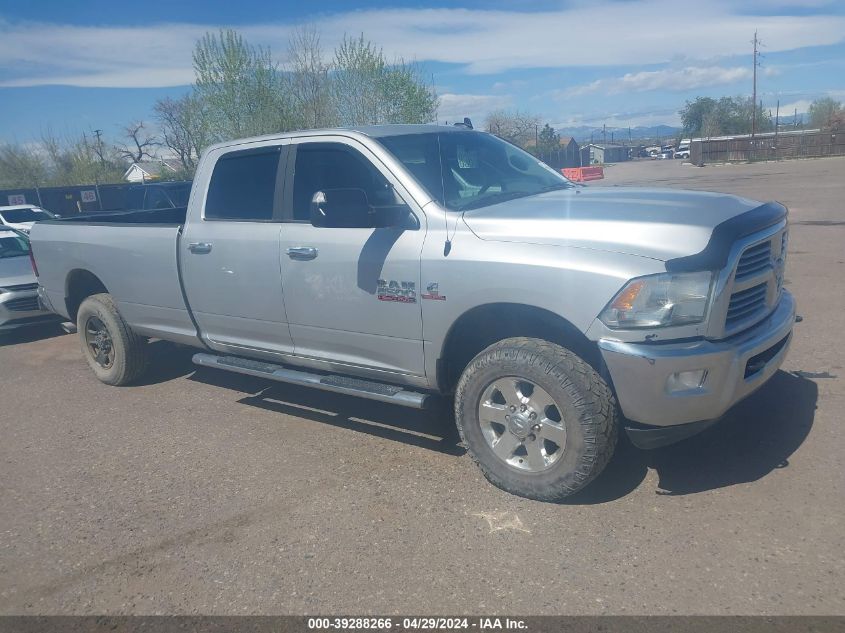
<point>114,352</point>
<point>538,420</point>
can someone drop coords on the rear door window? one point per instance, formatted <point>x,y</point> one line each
<point>243,186</point>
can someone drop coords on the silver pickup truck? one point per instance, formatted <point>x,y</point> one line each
<point>400,262</point>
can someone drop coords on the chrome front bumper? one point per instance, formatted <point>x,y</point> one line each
<point>645,376</point>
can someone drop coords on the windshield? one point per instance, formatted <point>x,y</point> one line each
<point>24,215</point>
<point>12,245</point>
<point>468,170</point>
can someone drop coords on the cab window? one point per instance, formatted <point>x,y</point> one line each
<point>243,186</point>
<point>330,166</point>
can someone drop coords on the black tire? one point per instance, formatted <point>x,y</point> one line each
<point>585,403</point>
<point>127,357</point>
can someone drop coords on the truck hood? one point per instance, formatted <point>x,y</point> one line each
<point>16,271</point>
<point>661,224</point>
<point>26,227</point>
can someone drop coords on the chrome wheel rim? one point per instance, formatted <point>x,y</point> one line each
<point>99,342</point>
<point>522,424</point>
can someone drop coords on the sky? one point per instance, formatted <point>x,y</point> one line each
<point>71,66</point>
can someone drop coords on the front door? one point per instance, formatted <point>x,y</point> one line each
<point>230,255</point>
<point>352,292</point>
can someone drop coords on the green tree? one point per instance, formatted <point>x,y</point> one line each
<point>368,90</point>
<point>694,113</point>
<point>548,140</point>
<point>825,113</point>
<point>729,115</point>
<point>56,162</point>
<point>21,166</point>
<point>241,88</point>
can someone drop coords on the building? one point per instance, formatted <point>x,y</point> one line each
<point>608,153</point>
<point>151,170</point>
<point>570,151</point>
<point>568,154</point>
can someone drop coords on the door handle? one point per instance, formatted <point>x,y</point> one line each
<point>199,248</point>
<point>302,253</point>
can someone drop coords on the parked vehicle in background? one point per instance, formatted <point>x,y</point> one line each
<point>164,195</point>
<point>19,304</point>
<point>667,152</point>
<point>23,216</point>
<point>683,150</point>
<point>398,262</point>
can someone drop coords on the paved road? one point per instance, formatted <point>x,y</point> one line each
<point>200,492</point>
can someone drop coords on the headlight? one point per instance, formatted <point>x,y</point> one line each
<point>660,301</point>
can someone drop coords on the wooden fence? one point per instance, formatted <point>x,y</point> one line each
<point>768,147</point>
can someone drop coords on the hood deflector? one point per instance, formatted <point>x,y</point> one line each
<point>715,254</point>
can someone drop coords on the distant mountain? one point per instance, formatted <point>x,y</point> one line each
<point>618,134</point>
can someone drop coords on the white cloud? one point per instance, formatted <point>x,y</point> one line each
<point>483,41</point>
<point>672,79</point>
<point>454,107</point>
<point>801,106</point>
<point>639,118</point>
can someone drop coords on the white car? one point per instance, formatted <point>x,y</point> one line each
<point>682,152</point>
<point>23,216</point>
<point>19,305</point>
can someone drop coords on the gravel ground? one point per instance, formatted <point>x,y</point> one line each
<point>203,492</point>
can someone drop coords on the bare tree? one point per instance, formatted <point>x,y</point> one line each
<point>185,128</point>
<point>309,79</point>
<point>514,126</point>
<point>140,142</point>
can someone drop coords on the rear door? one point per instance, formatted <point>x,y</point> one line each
<point>353,291</point>
<point>230,255</point>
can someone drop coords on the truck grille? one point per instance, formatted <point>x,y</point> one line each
<point>754,260</point>
<point>746,303</point>
<point>23,304</point>
<point>21,287</point>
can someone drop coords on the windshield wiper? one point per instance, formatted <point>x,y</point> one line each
<point>504,196</point>
<point>563,185</point>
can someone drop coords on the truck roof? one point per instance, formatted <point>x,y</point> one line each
<point>373,131</point>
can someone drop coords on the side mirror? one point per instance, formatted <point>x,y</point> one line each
<point>341,208</point>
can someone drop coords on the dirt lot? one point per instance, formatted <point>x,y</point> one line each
<point>200,492</point>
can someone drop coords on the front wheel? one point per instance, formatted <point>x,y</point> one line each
<point>114,352</point>
<point>538,420</point>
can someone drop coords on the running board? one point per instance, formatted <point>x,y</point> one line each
<point>328,382</point>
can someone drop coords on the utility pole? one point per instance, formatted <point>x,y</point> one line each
<point>98,134</point>
<point>756,42</point>
<point>604,133</point>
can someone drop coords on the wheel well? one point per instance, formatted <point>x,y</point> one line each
<point>80,285</point>
<point>477,329</point>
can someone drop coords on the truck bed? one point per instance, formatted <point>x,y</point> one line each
<point>133,255</point>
